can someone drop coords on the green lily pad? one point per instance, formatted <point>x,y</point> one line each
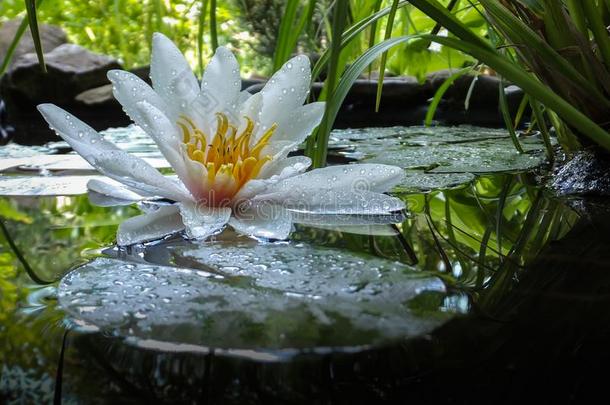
<point>444,149</point>
<point>14,150</point>
<point>417,181</point>
<point>40,186</point>
<point>250,296</point>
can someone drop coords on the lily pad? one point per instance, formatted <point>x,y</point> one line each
<point>131,139</point>
<point>14,150</point>
<point>445,149</point>
<point>420,135</point>
<point>418,181</point>
<point>134,140</point>
<point>250,296</point>
<point>63,162</point>
<point>39,186</point>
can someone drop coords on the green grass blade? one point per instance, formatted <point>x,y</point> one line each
<point>541,123</point>
<point>14,43</point>
<point>506,116</point>
<point>520,33</point>
<point>200,33</point>
<point>443,16</point>
<point>213,26</point>
<point>339,19</point>
<point>565,136</point>
<point>578,16</point>
<point>533,87</point>
<point>284,44</point>
<point>373,30</point>
<point>384,56</point>
<point>521,110</point>
<point>350,34</point>
<point>593,12</point>
<point>309,13</point>
<point>30,6</point>
<point>354,71</point>
<point>438,96</point>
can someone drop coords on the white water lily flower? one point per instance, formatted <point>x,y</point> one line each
<point>229,150</point>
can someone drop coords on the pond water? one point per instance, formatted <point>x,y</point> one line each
<point>490,286</point>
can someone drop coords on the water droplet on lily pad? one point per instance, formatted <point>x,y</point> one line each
<point>416,181</point>
<point>463,149</point>
<point>248,295</point>
<point>38,186</point>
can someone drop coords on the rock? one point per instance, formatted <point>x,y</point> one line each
<point>96,96</point>
<point>72,71</point>
<point>51,37</point>
<point>6,130</point>
<point>587,173</point>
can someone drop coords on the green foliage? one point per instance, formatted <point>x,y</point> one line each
<point>124,28</point>
<point>558,52</point>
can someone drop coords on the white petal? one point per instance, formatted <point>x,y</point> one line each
<point>113,189</point>
<point>165,135</point>
<point>273,172</point>
<point>108,159</point>
<point>251,108</point>
<point>299,123</point>
<point>201,221</point>
<point>263,220</point>
<point>286,90</point>
<point>129,90</point>
<point>165,221</point>
<point>358,177</point>
<point>138,175</point>
<point>328,201</point>
<point>222,83</point>
<point>171,74</point>
<point>315,218</point>
<point>285,168</point>
<point>243,96</point>
<point>297,127</point>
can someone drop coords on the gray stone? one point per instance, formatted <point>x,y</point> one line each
<point>51,37</point>
<point>587,173</point>
<point>72,69</point>
<point>96,96</point>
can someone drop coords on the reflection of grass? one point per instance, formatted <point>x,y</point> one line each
<point>58,231</point>
<point>46,236</point>
<point>476,238</point>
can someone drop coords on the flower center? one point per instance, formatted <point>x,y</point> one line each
<point>230,159</point>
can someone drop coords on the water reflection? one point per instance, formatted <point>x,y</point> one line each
<point>480,239</point>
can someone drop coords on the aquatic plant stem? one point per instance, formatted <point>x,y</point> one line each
<point>26,266</point>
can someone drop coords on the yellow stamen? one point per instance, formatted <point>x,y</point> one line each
<point>186,134</point>
<point>230,159</point>
<point>263,141</point>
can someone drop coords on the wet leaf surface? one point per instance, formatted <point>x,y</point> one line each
<point>41,186</point>
<point>463,149</point>
<point>248,295</point>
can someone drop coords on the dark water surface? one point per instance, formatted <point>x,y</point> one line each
<point>492,290</point>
